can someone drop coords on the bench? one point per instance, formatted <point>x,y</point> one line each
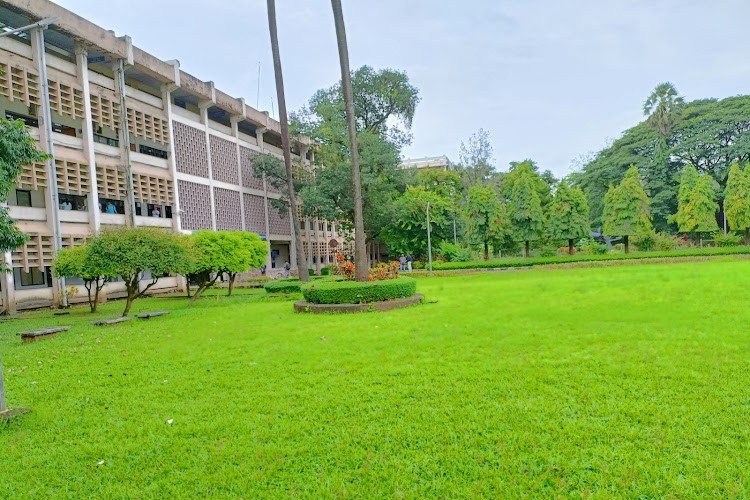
<point>112,321</point>
<point>153,314</point>
<point>34,335</point>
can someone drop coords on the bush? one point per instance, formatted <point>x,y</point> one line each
<point>727,240</point>
<point>283,286</point>
<point>357,292</point>
<point>325,271</point>
<point>454,253</point>
<point>548,251</point>
<point>589,246</point>
<point>418,264</point>
<point>310,271</point>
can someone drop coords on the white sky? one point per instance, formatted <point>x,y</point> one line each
<point>551,80</point>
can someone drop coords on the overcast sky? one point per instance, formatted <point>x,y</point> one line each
<point>551,80</point>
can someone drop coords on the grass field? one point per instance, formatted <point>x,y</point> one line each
<point>628,381</point>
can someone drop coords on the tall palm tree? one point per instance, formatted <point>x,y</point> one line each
<point>360,248</point>
<point>301,260</point>
<point>663,107</point>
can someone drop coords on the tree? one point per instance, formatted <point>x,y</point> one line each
<point>409,233</point>
<point>80,262</point>
<point>737,200</point>
<point>132,251</point>
<point>475,159</point>
<point>486,220</point>
<point>663,107</point>
<point>568,214</point>
<point>17,148</point>
<point>518,171</point>
<point>701,208</point>
<point>216,253</point>
<point>626,209</point>
<point>688,180</point>
<point>382,130</point>
<point>525,210</point>
<point>284,124</point>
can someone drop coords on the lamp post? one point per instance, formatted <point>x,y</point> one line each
<point>429,241</point>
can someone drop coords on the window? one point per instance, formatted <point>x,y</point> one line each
<point>27,120</point>
<point>302,224</point>
<point>168,211</point>
<point>147,150</point>
<point>35,277</point>
<point>23,198</point>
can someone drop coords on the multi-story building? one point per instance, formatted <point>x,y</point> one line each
<point>427,163</point>
<point>133,140</point>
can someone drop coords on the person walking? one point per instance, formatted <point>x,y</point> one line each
<point>408,261</point>
<point>402,261</point>
<point>287,269</point>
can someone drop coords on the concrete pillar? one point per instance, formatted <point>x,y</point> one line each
<point>316,232</point>
<point>234,120</point>
<point>118,67</point>
<point>203,106</point>
<point>308,222</point>
<point>166,99</point>
<point>88,137</point>
<point>39,55</point>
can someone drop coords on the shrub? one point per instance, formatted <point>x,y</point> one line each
<point>325,271</point>
<point>454,253</point>
<point>418,264</point>
<point>727,240</point>
<point>384,271</point>
<point>589,246</point>
<point>283,286</point>
<point>357,292</point>
<point>548,251</point>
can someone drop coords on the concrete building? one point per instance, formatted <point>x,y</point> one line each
<point>134,141</point>
<point>427,163</point>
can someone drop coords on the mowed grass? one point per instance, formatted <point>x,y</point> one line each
<point>609,382</point>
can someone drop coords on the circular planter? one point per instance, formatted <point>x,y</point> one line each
<point>302,306</point>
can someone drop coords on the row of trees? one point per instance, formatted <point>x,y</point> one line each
<point>129,253</point>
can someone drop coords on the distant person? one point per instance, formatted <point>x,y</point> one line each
<point>263,270</point>
<point>408,261</point>
<point>402,261</point>
<point>287,269</point>
<point>110,208</point>
<point>156,212</point>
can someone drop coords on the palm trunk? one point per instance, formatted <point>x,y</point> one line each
<point>627,245</point>
<point>360,252</point>
<point>570,246</point>
<point>301,259</point>
<point>526,249</point>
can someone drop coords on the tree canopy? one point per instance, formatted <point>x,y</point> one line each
<point>737,199</point>
<point>487,224</point>
<point>626,208</point>
<point>568,214</point>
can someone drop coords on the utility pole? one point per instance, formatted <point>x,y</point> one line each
<point>429,240</point>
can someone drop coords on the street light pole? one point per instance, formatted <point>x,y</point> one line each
<point>429,241</point>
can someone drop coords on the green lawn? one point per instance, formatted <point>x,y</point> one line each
<point>629,381</point>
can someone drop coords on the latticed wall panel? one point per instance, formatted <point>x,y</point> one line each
<point>151,189</point>
<point>72,177</point>
<point>276,224</point>
<point>248,179</point>
<point>36,252</point>
<point>148,126</point>
<point>228,214</point>
<point>105,110</point>
<point>195,203</point>
<point>255,214</point>
<point>66,99</point>
<point>191,154</point>
<point>18,83</point>
<point>224,160</point>
<point>33,176</point>
<point>111,182</point>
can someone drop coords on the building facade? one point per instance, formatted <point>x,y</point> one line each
<point>133,140</point>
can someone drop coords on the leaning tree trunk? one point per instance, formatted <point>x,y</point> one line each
<point>232,276</point>
<point>570,246</point>
<point>283,120</point>
<point>360,251</point>
<point>526,249</point>
<point>627,244</point>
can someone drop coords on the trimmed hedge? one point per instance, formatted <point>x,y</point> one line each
<point>355,292</point>
<point>541,261</point>
<point>283,286</point>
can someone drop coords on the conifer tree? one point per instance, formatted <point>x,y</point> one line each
<point>525,211</point>
<point>688,179</point>
<point>737,200</point>
<point>700,210</point>
<point>626,208</point>
<point>568,215</point>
